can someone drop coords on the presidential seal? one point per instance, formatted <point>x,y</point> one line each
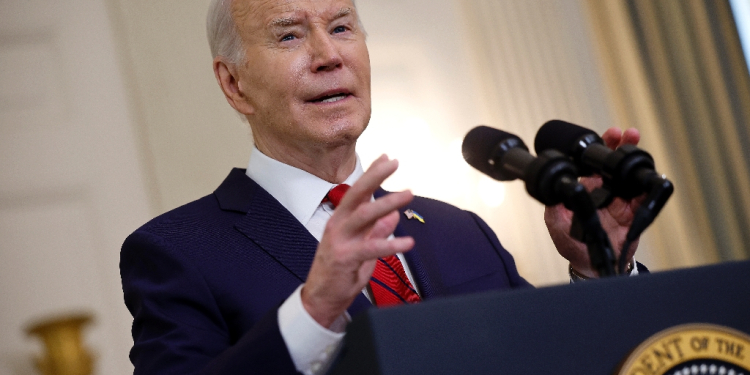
<point>689,350</point>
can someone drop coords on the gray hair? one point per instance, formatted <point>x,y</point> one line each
<point>223,36</point>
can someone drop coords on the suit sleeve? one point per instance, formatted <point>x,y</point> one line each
<point>509,263</point>
<point>177,326</point>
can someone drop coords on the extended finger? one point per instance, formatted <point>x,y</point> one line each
<point>630,137</point>
<point>370,181</point>
<point>612,137</point>
<point>366,214</point>
<point>381,247</point>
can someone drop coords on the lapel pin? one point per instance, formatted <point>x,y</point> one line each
<point>411,214</point>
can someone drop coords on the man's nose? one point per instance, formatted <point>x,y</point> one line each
<point>324,52</point>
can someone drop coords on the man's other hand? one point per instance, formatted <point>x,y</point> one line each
<point>615,219</point>
<point>354,238</point>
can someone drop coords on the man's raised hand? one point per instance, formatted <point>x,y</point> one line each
<point>354,238</point>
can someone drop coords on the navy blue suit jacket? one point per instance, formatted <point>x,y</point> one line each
<point>204,281</point>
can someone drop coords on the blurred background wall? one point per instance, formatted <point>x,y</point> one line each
<point>110,115</point>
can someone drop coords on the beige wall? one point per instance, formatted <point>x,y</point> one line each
<point>189,136</point>
<point>71,183</point>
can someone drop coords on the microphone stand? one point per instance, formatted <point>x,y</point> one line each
<point>661,190</point>
<point>551,178</point>
<point>586,226</point>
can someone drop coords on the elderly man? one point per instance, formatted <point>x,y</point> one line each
<point>262,275</point>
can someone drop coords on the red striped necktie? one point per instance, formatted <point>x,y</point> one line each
<point>389,283</point>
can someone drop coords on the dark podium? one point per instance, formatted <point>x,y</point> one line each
<point>584,328</point>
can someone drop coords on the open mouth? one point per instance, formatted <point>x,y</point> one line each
<point>331,98</point>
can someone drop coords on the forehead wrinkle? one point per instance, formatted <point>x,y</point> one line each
<point>246,15</point>
<point>239,12</point>
<point>249,12</point>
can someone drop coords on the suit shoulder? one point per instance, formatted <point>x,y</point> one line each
<point>188,218</point>
<point>436,207</point>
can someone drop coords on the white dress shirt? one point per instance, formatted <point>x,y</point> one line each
<point>310,344</point>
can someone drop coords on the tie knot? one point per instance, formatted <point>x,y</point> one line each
<point>336,194</point>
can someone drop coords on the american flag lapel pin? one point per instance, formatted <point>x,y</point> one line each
<point>411,214</point>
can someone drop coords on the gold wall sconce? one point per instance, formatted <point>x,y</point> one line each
<point>65,353</point>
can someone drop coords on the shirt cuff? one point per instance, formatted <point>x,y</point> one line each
<point>633,272</point>
<point>310,345</point>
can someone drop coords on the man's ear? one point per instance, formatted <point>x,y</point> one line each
<point>228,79</point>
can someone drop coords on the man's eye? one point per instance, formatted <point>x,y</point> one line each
<point>287,38</point>
<point>339,29</point>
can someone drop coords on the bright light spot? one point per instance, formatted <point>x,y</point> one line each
<point>456,154</point>
<point>430,161</point>
<point>741,10</point>
<point>406,137</point>
<point>446,175</point>
<point>491,192</point>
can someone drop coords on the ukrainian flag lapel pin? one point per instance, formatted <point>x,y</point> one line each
<point>411,214</point>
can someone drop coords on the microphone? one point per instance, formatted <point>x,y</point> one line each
<point>627,172</point>
<point>504,156</point>
<point>550,178</point>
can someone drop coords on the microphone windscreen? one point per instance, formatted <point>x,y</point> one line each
<point>479,146</point>
<point>559,135</point>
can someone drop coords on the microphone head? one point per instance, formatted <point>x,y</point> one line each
<point>561,136</point>
<point>483,147</point>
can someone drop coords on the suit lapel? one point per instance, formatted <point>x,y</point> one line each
<point>295,249</point>
<point>265,219</point>
<point>276,231</point>
<point>415,259</point>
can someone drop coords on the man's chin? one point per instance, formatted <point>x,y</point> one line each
<point>344,130</point>
<point>343,139</point>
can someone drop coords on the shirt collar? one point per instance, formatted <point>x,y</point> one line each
<point>298,191</point>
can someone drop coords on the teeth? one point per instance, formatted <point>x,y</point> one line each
<point>334,98</point>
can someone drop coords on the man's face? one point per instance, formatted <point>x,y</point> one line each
<point>307,73</point>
